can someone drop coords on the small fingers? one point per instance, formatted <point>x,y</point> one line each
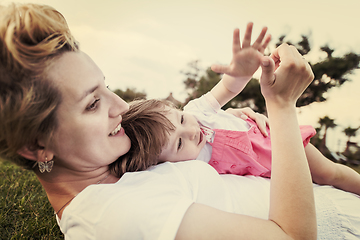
<point>262,122</point>
<point>247,37</point>
<point>257,44</point>
<point>265,44</point>
<point>236,41</point>
<point>244,113</point>
<point>237,113</point>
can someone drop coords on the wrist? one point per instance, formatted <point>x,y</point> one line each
<point>280,107</point>
<point>278,102</point>
<point>235,84</point>
<point>239,78</point>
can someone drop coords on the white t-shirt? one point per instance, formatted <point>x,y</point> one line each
<point>151,204</point>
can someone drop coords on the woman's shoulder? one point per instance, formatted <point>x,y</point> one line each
<point>136,198</point>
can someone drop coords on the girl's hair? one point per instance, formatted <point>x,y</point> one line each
<point>31,37</point>
<point>148,128</point>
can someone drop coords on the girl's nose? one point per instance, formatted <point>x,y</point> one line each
<point>190,132</point>
<point>118,106</point>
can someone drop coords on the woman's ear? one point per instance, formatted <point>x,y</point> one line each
<point>39,155</point>
<point>28,154</point>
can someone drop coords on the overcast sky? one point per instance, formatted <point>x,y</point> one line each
<point>144,44</point>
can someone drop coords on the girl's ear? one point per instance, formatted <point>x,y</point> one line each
<point>39,155</point>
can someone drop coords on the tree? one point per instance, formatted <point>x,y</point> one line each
<point>325,123</point>
<point>351,154</point>
<point>196,85</point>
<point>350,132</point>
<point>249,97</point>
<point>330,72</point>
<point>316,140</point>
<point>130,94</point>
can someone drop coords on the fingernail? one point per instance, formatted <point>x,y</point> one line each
<point>245,117</point>
<point>265,62</point>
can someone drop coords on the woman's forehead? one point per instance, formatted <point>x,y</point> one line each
<point>75,74</point>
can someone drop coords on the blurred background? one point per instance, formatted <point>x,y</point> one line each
<point>164,48</point>
<point>150,48</point>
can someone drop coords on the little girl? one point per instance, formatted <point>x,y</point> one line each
<point>159,132</point>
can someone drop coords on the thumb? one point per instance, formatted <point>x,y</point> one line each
<point>220,68</point>
<point>268,67</point>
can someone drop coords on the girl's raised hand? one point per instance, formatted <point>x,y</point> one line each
<point>246,58</point>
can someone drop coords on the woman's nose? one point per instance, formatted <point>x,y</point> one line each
<point>118,106</point>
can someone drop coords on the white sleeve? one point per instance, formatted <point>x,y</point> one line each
<point>208,112</point>
<point>206,105</point>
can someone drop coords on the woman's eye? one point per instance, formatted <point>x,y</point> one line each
<point>93,105</point>
<point>179,145</point>
<point>182,119</point>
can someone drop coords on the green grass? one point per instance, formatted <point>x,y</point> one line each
<point>25,212</point>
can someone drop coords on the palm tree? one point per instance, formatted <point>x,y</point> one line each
<point>350,132</point>
<point>327,123</point>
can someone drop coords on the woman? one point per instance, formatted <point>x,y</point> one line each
<point>57,114</point>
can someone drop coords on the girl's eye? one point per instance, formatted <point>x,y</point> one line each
<point>182,119</point>
<point>108,86</point>
<point>93,105</point>
<point>179,145</point>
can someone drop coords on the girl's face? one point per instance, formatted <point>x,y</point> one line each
<point>186,141</point>
<point>89,133</point>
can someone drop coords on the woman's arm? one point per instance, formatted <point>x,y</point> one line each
<point>246,60</point>
<point>292,207</point>
<point>291,201</point>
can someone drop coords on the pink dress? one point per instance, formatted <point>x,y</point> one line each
<point>246,153</point>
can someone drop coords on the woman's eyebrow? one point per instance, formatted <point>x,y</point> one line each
<point>91,90</point>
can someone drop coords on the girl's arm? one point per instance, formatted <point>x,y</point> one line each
<point>246,60</point>
<point>292,207</point>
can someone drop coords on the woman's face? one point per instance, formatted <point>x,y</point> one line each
<point>89,133</point>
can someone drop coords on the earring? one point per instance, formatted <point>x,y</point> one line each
<point>47,165</point>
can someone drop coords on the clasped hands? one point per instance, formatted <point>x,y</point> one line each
<point>285,76</point>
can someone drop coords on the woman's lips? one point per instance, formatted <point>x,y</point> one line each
<point>117,130</point>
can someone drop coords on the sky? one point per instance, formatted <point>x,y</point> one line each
<point>145,44</point>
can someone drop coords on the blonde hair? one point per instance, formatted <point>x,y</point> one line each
<point>147,126</point>
<point>31,37</point>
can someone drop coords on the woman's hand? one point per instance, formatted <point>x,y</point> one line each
<point>292,76</point>
<point>244,113</point>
